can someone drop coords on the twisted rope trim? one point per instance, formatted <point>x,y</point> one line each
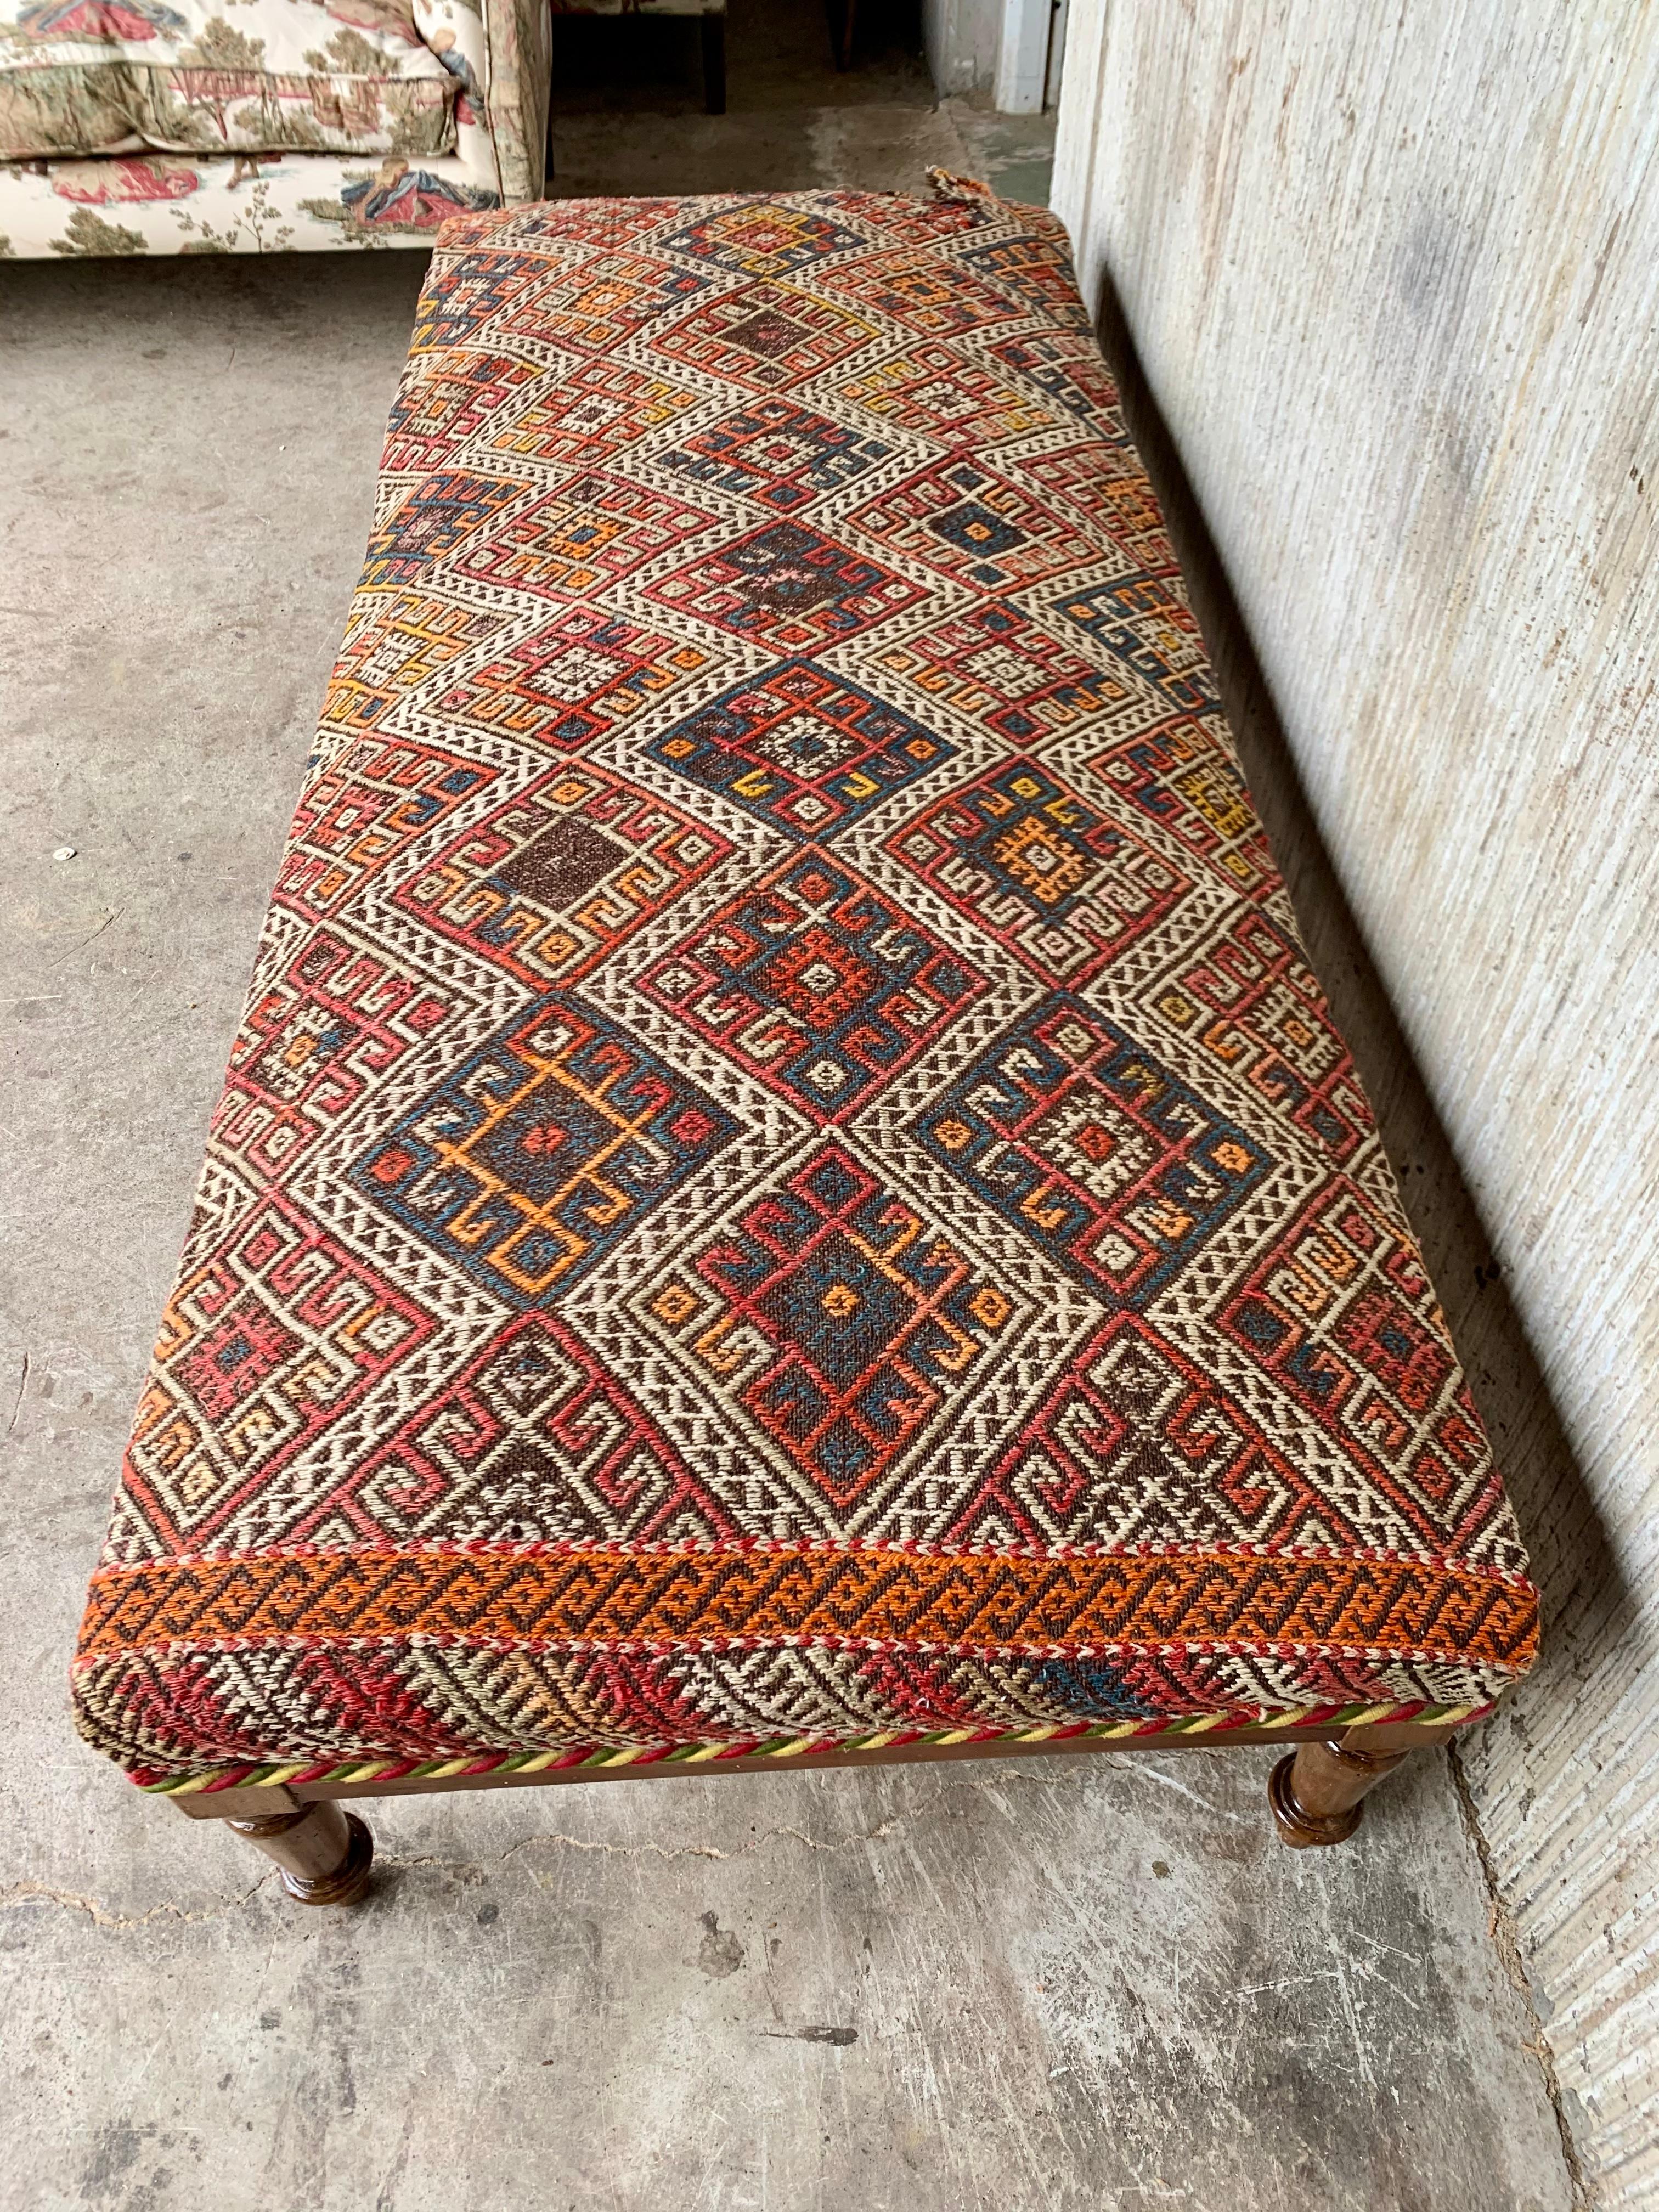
<point>783,1748</point>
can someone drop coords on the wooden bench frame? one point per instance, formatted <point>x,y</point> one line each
<point>325,1855</point>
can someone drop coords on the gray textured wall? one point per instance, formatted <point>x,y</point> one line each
<point>961,38</point>
<point>1392,275</point>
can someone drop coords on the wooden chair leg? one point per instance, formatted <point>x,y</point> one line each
<point>843,24</point>
<point>714,64</point>
<point>1317,1792</point>
<point>325,1854</point>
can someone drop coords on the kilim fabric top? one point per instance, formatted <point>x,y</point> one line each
<point>785,1179</point>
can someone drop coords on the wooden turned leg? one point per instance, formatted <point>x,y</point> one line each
<point>325,1854</point>
<point>713,64</point>
<point>1317,1792</point>
<point>842,26</point>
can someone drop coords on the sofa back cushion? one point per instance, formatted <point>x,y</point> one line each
<point>114,76</point>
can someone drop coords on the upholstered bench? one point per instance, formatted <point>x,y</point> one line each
<point>785,1194</point>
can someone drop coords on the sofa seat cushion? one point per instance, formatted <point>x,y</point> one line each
<point>109,77</point>
<point>784,1178</point>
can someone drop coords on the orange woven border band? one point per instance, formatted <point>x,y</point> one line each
<point>866,1600</point>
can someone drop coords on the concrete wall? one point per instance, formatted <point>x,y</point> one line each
<point>963,39</point>
<point>1394,277</point>
<point>1008,50</point>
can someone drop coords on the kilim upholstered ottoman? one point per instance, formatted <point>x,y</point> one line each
<point>785,1191</point>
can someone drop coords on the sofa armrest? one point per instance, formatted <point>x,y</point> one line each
<point>518,46</point>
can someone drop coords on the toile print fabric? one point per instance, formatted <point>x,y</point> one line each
<point>785,1178</point>
<point>81,77</point>
<point>135,203</point>
<point>283,200</point>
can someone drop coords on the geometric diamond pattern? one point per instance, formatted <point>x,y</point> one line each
<point>594,305</point>
<point>398,646</point>
<point>529,1163</point>
<point>1250,1002</point>
<point>918,294</point>
<point>370,803</point>
<point>439,514</point>
<point>994,666</point>
<point>844,1334</point>
<point>784,456</point>
<point>1117,1170</point>
<point>590,533</point>
<point>801,750</point>
<point>784,1174</point>
<point>1108,490</point>
<point>1142,622</point>
<point>787,587</point>
<point>594,411</point>
<point>1139,1441</point>
<point>1065,888</point>
<point>960,519</point>
<point>930,389</point>
<point>535,1443</point>
<point>564,871</point>
<point>767,239</point>
<point>278,1337</point>
<point>1184,778</point>
<point>330,1025</point>
<point>765,337</point>
<point>1340,1313</point>
<point>817,983</point>
<point>571,680</point>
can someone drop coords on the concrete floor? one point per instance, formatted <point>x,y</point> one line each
<point>1092,1983</point>
<point>793,120</point>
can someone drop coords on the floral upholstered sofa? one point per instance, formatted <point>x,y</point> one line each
<point>257,126</point>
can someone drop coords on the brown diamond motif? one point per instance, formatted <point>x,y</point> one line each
<point>563,863</point>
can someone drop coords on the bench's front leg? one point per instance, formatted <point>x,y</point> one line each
<point>324,1854</point>
<point>1317,1792</point>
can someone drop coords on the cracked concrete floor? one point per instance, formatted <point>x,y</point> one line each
<point>1088,1982</point>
